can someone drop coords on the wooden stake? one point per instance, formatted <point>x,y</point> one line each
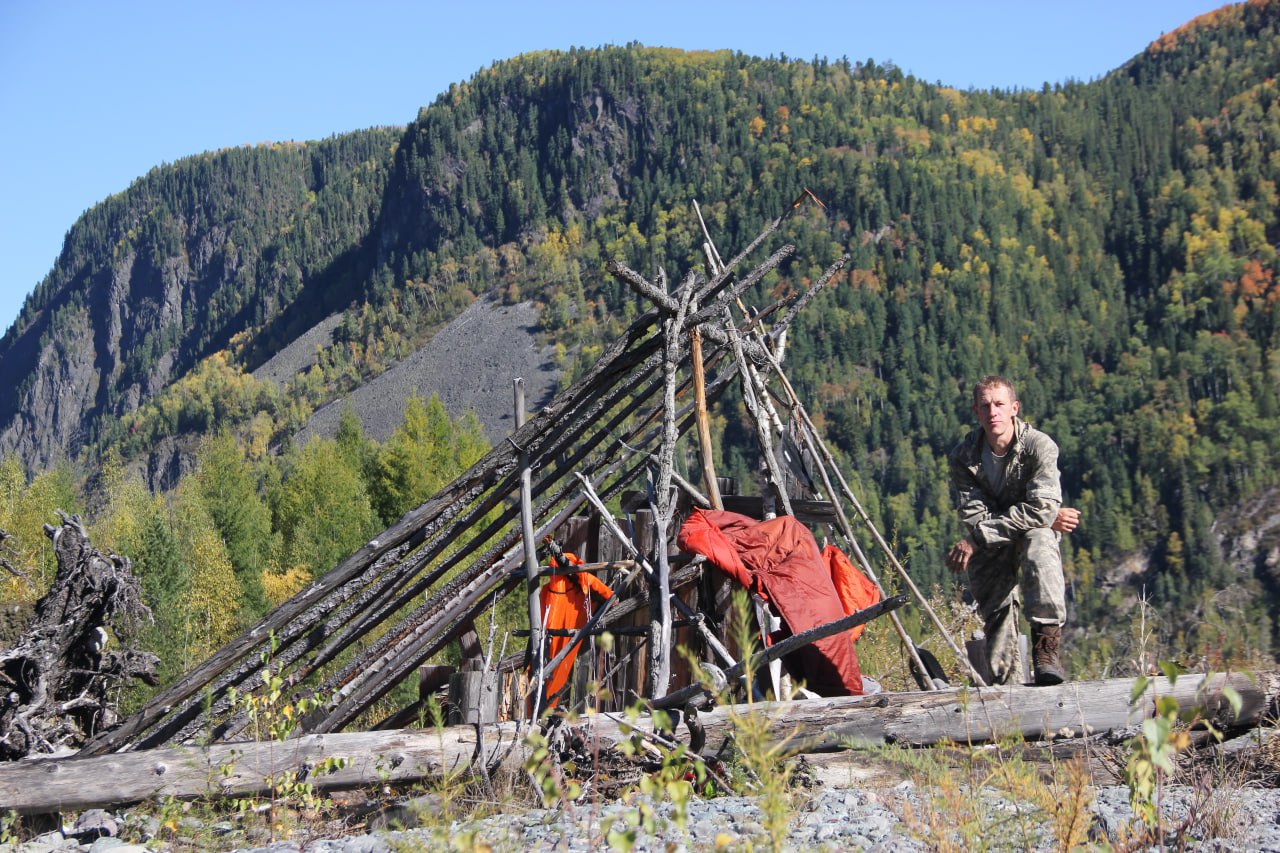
<point>703,420</point>
<point>536,640</point>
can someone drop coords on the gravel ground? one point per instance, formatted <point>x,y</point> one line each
<point>300,354</point>
<point>833,819</point>
<point>830,819</point>
<point>469,364</point>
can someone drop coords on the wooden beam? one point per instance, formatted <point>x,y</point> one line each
<point>806,511</point>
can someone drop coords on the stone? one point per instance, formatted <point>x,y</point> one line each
<point>94,824</point>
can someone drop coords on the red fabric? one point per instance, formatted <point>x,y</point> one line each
<point>566,605</point>
<point>855,589</point>
<point>779,560</point>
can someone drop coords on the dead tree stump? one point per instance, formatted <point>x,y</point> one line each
<point>59,684</point>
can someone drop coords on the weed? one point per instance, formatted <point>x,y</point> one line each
<point>273,718</point>
<point>993,798</point>
<point>9,827</point>
<point>1153,754</point>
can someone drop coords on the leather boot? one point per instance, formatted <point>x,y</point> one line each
<point>1045,642</point>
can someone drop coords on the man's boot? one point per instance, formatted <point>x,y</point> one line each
<point>1045,641</point>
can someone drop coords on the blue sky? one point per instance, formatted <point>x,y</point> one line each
<point>93,94</point>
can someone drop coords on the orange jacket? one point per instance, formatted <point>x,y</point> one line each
<point>566,605</point>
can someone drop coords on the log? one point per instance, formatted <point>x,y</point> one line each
<point>973,715</point>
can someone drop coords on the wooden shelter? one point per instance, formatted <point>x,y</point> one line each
<point>369,624</point>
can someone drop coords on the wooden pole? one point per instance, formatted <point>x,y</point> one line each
<point>664,508</point>
<point>750,397</point>
<point>703,420</point>
<point>536,640</point>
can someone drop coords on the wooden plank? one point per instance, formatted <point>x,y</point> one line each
<point>971,715</point>
<point>807,511</point>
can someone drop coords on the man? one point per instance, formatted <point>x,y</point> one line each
<point>1010,498</point>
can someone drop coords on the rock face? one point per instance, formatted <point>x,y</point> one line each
<point>154,279</point>
<point>48,413</point>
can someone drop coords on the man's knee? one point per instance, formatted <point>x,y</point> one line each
<point>1043,537</point>
<point>1041,550</point>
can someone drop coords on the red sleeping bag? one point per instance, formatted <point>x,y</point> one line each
<point>779,560</point>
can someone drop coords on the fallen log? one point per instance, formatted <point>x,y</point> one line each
<point>972,715</point>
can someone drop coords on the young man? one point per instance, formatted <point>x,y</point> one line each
<point>1009,497</point>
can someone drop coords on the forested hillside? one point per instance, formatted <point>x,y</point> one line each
<point>1110,245</point>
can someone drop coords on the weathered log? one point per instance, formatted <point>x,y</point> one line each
<point>974,715</point>
<point>58,684</point>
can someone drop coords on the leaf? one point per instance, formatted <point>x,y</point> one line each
<point>1233,698</point>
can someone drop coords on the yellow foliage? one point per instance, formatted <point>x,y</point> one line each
<point>213,595</point>
<point>24,510</point>
<point>279,587</point>
<point>119,525</point>
<point>916,139</point>
<point>982,163</point>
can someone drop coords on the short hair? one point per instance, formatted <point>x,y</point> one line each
<point>994,380</point>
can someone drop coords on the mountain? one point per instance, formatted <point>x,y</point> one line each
<point>1110,245</point>
<point>165,273</point>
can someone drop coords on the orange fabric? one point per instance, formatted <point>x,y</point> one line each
<point>566,605</point>
<point>779,560</point>
<point>855,589</point>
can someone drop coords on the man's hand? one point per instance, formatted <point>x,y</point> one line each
<point>958,556</point>
<point>1068,520</point>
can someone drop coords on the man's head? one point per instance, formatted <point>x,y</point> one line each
<point>995,405</point>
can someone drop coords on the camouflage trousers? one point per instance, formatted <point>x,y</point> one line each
<point>1032,562</point>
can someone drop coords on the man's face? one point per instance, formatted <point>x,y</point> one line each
<point>995,410</point>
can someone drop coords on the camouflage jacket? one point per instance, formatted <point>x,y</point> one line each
<point>1031,494</point>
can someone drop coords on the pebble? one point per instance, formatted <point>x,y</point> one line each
<point>827,819</point>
